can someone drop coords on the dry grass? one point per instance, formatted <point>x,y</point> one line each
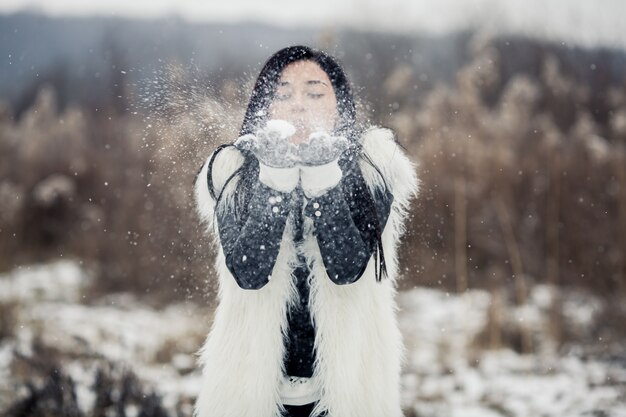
<point>8,319</point>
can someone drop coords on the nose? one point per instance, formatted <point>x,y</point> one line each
<point>298,108</point>
<point>297,105</point>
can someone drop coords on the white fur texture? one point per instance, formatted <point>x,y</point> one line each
<point>359,347</point>
<point>226,162</point>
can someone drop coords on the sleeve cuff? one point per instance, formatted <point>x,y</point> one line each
<point>280,179</point>
<point>316,180</point>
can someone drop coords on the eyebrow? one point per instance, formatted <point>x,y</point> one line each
<point>310,82</point>
<point>316,82</point>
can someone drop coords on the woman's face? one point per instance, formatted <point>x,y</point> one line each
<point>305,97</point>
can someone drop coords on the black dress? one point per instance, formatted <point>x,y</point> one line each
<point>299,343</point>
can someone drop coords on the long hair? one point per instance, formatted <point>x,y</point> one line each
<point>362,207</point>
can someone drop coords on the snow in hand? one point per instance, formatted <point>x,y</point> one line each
<point>272,145</point>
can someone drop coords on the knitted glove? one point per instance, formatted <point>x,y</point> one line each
<point>321,148</point>
<point>319,167</point>
<point>271,144</point>
<point>277,156</point>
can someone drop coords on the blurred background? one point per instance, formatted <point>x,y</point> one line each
<point>512,296</point>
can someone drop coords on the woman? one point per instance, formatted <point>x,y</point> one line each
<point>306,209</point>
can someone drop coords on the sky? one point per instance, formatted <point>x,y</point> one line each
<point>580,22</point>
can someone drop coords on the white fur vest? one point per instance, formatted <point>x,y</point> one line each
<point>359,347</point>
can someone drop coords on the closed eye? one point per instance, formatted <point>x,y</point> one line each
<point>315,95</point>
<point>282,97</point>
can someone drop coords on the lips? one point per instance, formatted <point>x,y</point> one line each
<point>300,124</point>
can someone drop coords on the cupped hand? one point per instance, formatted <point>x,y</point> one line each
<point>321,148</point>
<point>271,144</point>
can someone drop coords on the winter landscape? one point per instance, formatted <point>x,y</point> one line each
<point>512,297</point>
<point>119,353</point>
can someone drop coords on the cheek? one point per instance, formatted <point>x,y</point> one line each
<point>277,110</point>
<point>327,110</point>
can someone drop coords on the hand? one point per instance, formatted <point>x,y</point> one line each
<point>321,148</point>
<point>271,144</point>
<point>277,156</point>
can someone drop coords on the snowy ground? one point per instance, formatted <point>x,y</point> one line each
<point>446,374</point>
<point>446,377</point>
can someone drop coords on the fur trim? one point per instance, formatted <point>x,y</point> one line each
<point>227,161</point>
<point>381,147</point>
<point>242,357</point>
<point>359,347</point>
<point>399,173</point>
<point>359,344</point>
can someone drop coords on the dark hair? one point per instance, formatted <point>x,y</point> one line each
<point>363,209</point>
